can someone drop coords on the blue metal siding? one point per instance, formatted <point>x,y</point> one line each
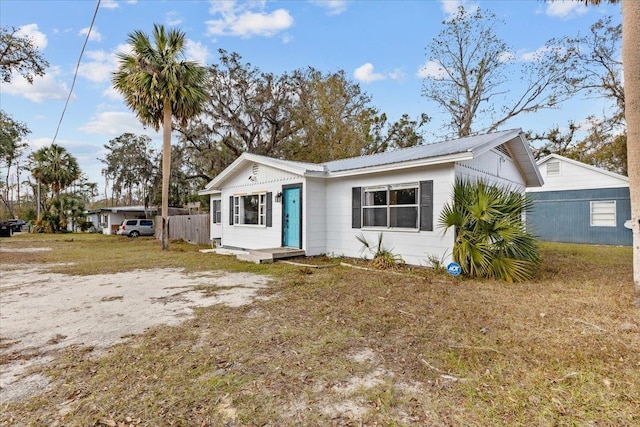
<point>564,216</point>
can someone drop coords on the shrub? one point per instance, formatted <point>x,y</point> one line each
<point>382,257</point>
<point>490,237</point>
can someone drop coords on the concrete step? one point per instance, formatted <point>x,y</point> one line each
<point>264,256</point>
<point>278,253</point>
<point>255,258</point>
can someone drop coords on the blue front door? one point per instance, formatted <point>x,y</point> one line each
<point>291,217</point>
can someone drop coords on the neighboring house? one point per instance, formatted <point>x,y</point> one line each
<point>260,202</point>
<point>107,220</point>
<point>579,203</point>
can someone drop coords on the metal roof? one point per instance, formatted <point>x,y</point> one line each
<point>443,148</point>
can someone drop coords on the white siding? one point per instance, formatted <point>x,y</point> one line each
<point>415,247</point>
<point>267,179</point>
<point>576,177</point>
<point>314,229</point>
<point>493,167</point>
<point>95,220</point>
<point>114,219</point>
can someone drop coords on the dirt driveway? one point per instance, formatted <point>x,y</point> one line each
<point>42,312</point>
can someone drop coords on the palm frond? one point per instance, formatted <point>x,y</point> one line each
<point>490,238</point>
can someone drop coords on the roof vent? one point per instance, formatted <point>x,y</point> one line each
<point>553,168</point>
<point>503,150</point>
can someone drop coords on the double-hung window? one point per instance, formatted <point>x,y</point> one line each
<point>216,211</point>
<point>391,206</point>
<point>250,209</point>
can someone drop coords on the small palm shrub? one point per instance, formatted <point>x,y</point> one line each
<point>382,258</point>
<point>48,223</point>
<point>490,237</point>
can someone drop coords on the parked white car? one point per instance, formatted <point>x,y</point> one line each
<point>136,227</point>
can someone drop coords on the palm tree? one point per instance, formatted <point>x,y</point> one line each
<point>157,84</point>
<point>631,63</point>
<point>56,167</point>
<point>490,238</point>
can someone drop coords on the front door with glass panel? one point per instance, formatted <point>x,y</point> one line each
<point>292,217</point>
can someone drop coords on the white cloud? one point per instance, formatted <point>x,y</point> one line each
<point>109,4</point>
<point>95,35</point>
<point>43,88</point>
<point>334,7</point>
<point>113,4</point>
<point>196,51</point>
<point>365,74</point>
<point>262,24</point>
<point>123,48</point>
<point>506,56</point>
<point>99,66</point>
<point>38,38</point>
<point>112,93</point>
<point>433,70</point>
<point>396,74</point>
<point>37,143</point>
<point>450,7</point>
<point>114,123</point>
<point>537,54</point>
<point>174,19</point>
<point>246,19</point>
<point>566,9</point>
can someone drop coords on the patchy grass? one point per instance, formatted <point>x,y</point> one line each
<point>340,346</point>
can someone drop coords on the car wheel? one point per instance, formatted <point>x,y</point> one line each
<point>134,234</point>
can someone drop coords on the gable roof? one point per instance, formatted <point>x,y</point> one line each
<point>448,151</point>
<point>298,168</point>
<point>582,165</point>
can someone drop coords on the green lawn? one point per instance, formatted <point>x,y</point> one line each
<point>340,346</point>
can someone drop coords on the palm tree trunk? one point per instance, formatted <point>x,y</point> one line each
<point>631,61</point>
<point>166,172</point>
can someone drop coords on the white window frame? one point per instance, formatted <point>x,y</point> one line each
<point>602,213</point>
<point>388,206</point>
<point>216,211</point>
<point>238,210</point>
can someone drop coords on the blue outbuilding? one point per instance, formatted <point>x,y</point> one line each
<point>580,203</point>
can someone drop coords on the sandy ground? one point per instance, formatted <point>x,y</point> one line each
<point>42,312</point>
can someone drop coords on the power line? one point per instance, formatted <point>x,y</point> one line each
<point>75,74</point>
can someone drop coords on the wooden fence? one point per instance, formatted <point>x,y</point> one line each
<point>190,228</point>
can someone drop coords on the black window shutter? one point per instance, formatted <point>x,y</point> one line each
<point>230,210</point>
<point>426,205</point>
<point>269,208</point>
<point>356,206</point>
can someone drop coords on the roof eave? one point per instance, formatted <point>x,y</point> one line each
<point>450,158</point>
<point>524,160</point>
<point>216,183</point>
<point>209,191</point>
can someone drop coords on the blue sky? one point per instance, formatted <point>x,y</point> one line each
<point>380,44</point>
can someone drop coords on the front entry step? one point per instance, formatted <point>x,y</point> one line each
<point>268,255</point>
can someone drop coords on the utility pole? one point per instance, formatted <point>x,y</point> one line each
<point>38,198</point>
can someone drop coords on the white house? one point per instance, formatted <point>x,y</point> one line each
<point>107,220</point>
<point>580,203</point>
<point>260,202</point>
